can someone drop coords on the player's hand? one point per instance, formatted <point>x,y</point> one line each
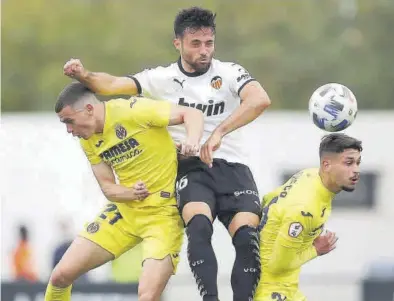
<point>211,145</point>
<point>140,191</point>
<point>188,148</point>
<point>74,69</point>
<point>325,243</point>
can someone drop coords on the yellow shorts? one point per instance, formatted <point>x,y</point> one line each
<point>119,228</point>
<point>270,292</point>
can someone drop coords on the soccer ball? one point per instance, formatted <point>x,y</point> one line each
<point>333,107</point>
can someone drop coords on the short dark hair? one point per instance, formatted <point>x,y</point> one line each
<point>338,143</point>
<point>70,95</point>
<point>193,18</point>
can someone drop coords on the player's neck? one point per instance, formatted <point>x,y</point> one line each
<point>327,183</point>
<point>99,117</point>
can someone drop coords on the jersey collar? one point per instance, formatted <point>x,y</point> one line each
<point>190,74</point>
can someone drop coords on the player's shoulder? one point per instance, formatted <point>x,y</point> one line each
<point>227,65</point>
<point>162,71</point>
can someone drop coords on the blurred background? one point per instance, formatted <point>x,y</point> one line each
<point>48,191</point>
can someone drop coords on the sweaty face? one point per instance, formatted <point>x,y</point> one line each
<point>345,169</point>
<point>79,123</point>
<point>197,47</point>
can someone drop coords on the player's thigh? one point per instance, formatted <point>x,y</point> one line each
<point>239,203</point>
<point>162,231</point>
<point>82,256</point>
<point>154,277</point>
<point>111,231</point>
<point>195,196</point>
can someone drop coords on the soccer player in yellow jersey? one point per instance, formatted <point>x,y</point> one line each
<point>294,215</point>
<point>128,138</point>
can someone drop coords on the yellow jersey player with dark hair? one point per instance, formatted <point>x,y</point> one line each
<point>294,215</point>
<point>128,138</point>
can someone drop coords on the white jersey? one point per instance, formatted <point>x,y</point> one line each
<point>215,93</point>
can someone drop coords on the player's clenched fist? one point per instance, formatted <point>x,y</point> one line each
<point>188,148</point>
<point>140,191</point>
<point>74,69</point>
<point>325,243</point>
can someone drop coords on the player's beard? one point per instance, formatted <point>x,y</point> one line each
<point>199,67</point>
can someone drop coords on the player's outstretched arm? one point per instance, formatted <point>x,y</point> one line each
<point>115,192</point>
<point>193,120</point>
<point>99,82</point>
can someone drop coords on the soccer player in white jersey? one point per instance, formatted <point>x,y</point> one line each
<point>217,183</point>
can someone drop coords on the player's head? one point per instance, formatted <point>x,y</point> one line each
<point>340,158</point>
<point>75,107</point>
<point>195,37</point>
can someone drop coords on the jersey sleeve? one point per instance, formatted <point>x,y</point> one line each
<point>239,77</point>
<point>146,112</point>
<point>149,82</point>
<point>288,253</point>
<point>91,156</point>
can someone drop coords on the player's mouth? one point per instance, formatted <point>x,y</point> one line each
<point>355,179</point>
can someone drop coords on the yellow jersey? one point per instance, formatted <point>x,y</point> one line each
<point>293,216</point>
<point>136,144</point>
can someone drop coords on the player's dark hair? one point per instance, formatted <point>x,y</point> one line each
<point>338,143</point>
<point>193,18</point>
<point>71,94</point>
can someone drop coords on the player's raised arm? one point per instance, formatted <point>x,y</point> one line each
<point>99,82</point>
<point>115,192</point>
<point>288,253</point>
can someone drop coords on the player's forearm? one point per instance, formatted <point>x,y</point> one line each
<point>248,111</point>
<point>193,120</point>
<point>118,193</point>
<point>107,84</point>
<point>285,259</point>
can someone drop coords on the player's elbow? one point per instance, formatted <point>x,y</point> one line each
<point>108,191</point>
<point>262,102</point>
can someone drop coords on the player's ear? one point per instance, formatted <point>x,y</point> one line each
<point>177,43</point>
<point>89,108</point>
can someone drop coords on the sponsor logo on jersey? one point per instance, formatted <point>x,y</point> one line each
<point>120,131</point>
<point>211,109</point>
<point>216,82</point>
<point>128,149</point>
<point>243,77</point>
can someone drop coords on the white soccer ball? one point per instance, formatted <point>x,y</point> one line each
<point>333,107</point>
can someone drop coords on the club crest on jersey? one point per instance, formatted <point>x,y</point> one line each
<point>93,227</point>
<point>216,82</point>
<point>120,131</point>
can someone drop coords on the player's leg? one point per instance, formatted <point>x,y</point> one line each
<point>162,233</point>
<point>100,242</point>
<point>196,201</point>
<point>240,211</point>
<point>82,256</point>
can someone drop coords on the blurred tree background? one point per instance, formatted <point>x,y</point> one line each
<point>290,46</point>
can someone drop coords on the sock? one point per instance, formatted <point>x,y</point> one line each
<point>246,271</point>
<point>57,293</point>
<point>202,259</point>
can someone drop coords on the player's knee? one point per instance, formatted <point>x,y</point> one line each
<point>247,236</point>
<point>199,228</point>
<point>61,277</point>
